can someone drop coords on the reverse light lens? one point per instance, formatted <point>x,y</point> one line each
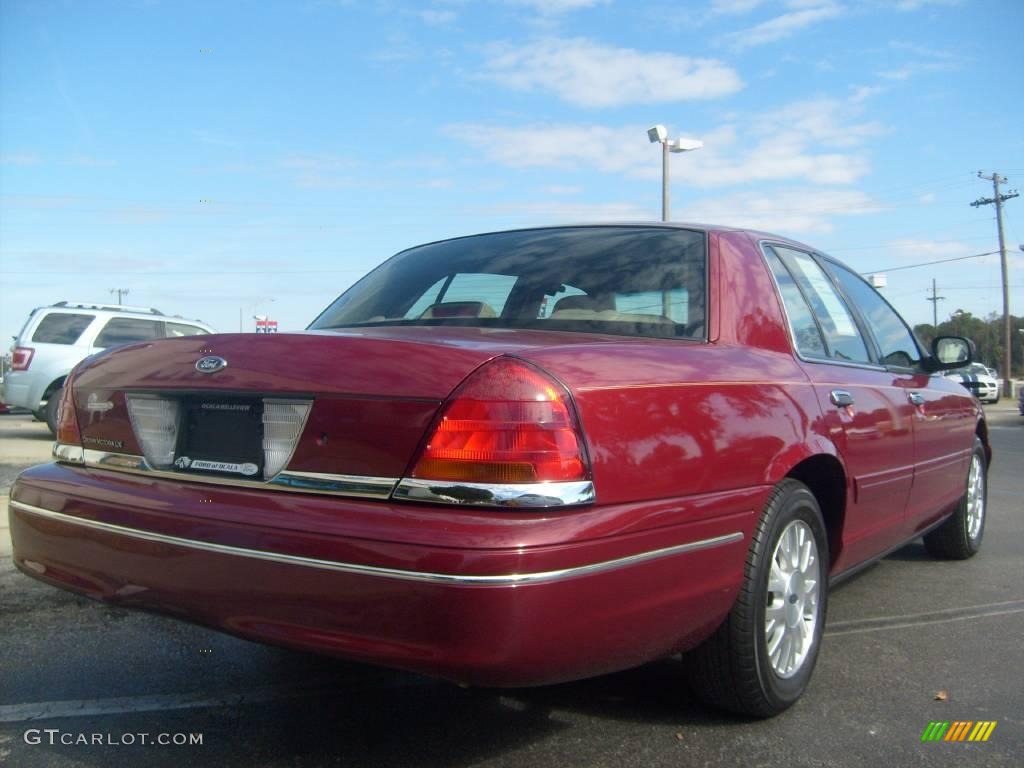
<point>509,423</point>
<point>155,421</point>
<point>21,358</point>
<point>282,424</point>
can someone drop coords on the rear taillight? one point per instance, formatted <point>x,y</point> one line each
<point>21,358</point>
<point>508,423</point>
<point>67,420</point>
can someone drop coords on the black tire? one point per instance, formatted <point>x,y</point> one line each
<point>960,536</point>
<point>50,411</point>
<point>732,669</point>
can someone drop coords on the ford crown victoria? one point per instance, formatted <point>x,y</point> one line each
<point>524,457</point>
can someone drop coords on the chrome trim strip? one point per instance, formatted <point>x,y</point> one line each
<point>348,485</point>
<point>299,482</point>
<point>72,454</point>
<point>504,580</point>
<point>523,495</point>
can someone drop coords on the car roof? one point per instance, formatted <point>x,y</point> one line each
<point>755,234</point>
<point>148,313</point>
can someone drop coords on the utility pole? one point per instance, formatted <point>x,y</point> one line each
<point>998,200</point>
<point>120,292</point>
<point>935,306</point>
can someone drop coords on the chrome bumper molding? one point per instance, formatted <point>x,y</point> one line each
<point>72,454</point>
<point>356,486</point>
<point>507,496</point>
<point>502,580</point>
<point>528,495</point>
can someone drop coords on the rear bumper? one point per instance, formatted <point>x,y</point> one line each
<point>491,598</point>
<point>16,389</point>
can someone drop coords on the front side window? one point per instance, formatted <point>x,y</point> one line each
<point>639,281</point>
<point>127,330</point>
<point>61,328</point>
<point>843,340</point>
<point>895,341</point>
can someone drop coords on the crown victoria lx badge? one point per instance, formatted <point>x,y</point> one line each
<point>211,364</point>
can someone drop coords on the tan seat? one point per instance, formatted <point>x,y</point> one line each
<point>454,309</point>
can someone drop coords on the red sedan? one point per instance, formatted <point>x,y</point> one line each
<point>524,457</point>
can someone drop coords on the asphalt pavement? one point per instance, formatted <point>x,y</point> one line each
<point>909,641</point>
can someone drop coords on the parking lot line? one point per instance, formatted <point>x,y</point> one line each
<point>882,623</point>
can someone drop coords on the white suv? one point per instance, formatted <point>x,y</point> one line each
<point>57,337</point>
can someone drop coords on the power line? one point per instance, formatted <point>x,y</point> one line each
<point>929,263</point>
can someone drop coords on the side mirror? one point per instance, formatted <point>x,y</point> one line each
<point>950,352</point>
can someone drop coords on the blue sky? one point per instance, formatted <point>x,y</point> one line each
<point>328,135</point>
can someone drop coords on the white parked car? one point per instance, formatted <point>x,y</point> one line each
<point>56,338</point>
<point>979,380</point>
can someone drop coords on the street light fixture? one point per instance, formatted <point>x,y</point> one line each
<point>659,135</point>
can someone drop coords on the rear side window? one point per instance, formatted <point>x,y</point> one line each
<point>806,333</point>
<point>636,281</point>
<point>61,328</point>
<point>842,337</point>
<point>126,330</point>
<point>182,329</point>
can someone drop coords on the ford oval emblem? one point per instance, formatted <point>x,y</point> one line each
<point>211,364</point>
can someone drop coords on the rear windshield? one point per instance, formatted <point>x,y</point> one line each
<point>61,328</point>
<point>637,281</point>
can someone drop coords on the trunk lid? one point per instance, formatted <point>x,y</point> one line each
<point>324,402</point>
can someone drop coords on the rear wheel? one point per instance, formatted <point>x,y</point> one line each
<point>50,411</point>
<point>960,536</point>
<point>760,660</point>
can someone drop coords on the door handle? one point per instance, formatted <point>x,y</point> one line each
<point>916,398</point>
<point>840,398</point>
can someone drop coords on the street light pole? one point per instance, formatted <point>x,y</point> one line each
<point>659,135</point>
<point>664,181</point>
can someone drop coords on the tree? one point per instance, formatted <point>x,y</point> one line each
<point>986,334</point>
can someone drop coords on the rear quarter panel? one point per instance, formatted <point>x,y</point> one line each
<point>666,418</point>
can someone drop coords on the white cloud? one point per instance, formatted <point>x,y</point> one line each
<point>817,142</point>
<point>586,73</point>
<point>316,162</point>
<point>563,189</point>
<point>319,171</point>
<point>20,158</point>
<point>553,7</point>
<point>914,5</point>
<point>786,25</point>
<point>801,211</point>
<point>90,162</point>
<point>437,18</point>
<point>563,211</point>
<point>910,250</point>
<point>928,60</point>
<point>898,75</point>
<point>735,7</point>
